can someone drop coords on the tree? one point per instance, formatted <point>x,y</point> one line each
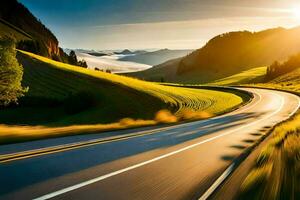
<point>278,69</point>
<point>73,58</point>
<point>82,63</point>
<point>11,73</point>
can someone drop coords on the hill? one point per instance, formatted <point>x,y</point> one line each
<point>64,99</point>
<point>156,57</point>
<point>230,53</point>
<point>43,41</point>
<point>289,81</point>
<point>9,30</point>
<point>255,75</point>
<point>98,54</point>
<point>124,52</point>
<point>54,86</point>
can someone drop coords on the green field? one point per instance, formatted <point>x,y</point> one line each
<point>55,88</point>
<point>254,75</point>
<point>116,96</point>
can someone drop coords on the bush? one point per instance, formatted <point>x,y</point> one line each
<point>165,116</point>
<point>11,73</point>
<point>78,102</point>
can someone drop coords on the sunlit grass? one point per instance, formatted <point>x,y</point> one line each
<point>248,76</point>
<point>180,104</point>
<point>282,152</point>
<point>213,102</point>
<point>257,177</point>
<point>276,173</point>
<point>10,134</point>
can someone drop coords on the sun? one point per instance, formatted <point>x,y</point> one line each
<point>296,12</point>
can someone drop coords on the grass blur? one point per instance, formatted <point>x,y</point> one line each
<point>12,134</point>
<point>276,174</point>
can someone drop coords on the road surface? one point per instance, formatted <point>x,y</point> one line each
<point>178,162</point>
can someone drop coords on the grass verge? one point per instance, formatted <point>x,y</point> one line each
<point>13,134</point>
<point>276,173</point>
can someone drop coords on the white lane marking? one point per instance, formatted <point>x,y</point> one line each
<point>216,184</point>
<point>97,179</point>
<point>230,169</point>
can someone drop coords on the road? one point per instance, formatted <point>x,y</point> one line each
<point>178,162</point>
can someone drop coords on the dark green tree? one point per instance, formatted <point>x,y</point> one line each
<point>11,73</point>
<point>73,58</point>
<point>82,63</point>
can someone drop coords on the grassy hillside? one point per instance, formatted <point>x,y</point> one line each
<point>157,73</point>
<point>64,99</point>
<point>255,75</point>
<point>112,97</point>
<point>231,53</point>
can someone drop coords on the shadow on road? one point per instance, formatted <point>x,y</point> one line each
<point>18,174</point>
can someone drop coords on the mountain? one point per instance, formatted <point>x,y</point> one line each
<point>227,54</point>
<point>140,52</point>
<point>124,52</point>
<point>43,40</point>
<point>98,54</point>
<point>156,57</point>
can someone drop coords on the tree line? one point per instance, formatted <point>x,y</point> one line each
<point>277,69</point>
<point>72,59</point>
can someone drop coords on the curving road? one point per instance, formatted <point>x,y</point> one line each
<point>179,162</point>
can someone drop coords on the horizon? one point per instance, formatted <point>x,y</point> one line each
<point>135,24</point>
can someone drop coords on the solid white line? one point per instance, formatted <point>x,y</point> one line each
<point>91,181</point>
<point>230,169</point>
<point>216,184</point>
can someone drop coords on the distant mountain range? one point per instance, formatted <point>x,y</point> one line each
<point>227,54</point>
<point>126,60</point>
<point>155,57</point>
<point>110,62</point>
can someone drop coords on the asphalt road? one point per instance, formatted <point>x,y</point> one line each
<point>179,162</point>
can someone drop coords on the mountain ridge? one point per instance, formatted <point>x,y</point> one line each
<point>227,54</point>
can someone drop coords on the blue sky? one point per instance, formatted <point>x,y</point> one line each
<point>139,24</point>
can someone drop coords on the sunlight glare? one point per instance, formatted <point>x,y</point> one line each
<point>296,12</point>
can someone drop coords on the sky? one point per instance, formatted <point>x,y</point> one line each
<point>155,24</point>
